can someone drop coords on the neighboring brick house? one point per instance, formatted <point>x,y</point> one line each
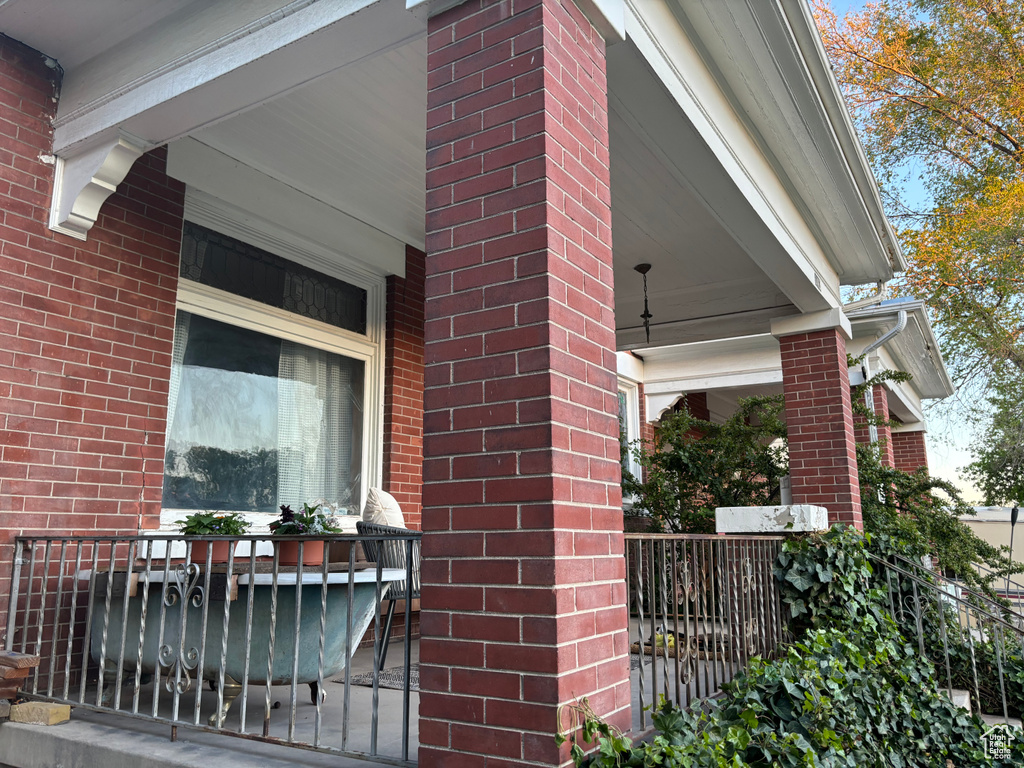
<point>326,246</point>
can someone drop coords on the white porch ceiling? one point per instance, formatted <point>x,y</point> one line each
<point>354,139</point>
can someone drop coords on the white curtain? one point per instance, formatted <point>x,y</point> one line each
<point>315,430</point>
<point>181,325</point>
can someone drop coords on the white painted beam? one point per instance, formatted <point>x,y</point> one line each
<point>261,59</point>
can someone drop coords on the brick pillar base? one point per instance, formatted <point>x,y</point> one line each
<point>523,597</point>
<point>822,453</point>
<point>909,451</point>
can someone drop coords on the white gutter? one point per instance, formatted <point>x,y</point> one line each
<point>881,290</point>
<point>820,68</point>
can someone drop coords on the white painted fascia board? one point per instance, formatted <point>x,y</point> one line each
<point>803,273</point>
<point>607,16</point>
<point>918,426</point>
<point>708,383</point>
<point>904,403</point>
<point>255,63</point>
<point>221,176</point>
<point>805,32</point>
<point>630,367</point>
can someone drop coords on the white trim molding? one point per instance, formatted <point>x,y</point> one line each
<point>83,182</point>
<point>810,322</point>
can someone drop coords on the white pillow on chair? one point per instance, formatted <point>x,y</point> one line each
<point>382,509</point>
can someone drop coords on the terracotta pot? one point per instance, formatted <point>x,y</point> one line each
<point>221,551</point>
<point>312,553</point>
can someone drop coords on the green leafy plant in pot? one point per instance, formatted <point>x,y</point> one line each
<point>309,522</point>
<point>211,524</point>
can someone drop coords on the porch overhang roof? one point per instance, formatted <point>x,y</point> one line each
<point>740,115</point>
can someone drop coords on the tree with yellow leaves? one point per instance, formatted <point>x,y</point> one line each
<point>936,88</point>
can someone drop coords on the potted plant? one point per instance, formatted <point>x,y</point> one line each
<point>309,522</point>
<point>211,524</point>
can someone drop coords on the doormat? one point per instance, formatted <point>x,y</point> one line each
<point>392,677</point>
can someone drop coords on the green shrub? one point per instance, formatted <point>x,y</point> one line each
<point>856,696</point>
<point>696,465</point>
<point>852,691</point>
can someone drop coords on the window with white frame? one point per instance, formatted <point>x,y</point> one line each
<point>271,398</point>
<point>629,426</point>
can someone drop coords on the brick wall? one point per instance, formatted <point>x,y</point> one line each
<point>822,454</point>
<point>85,334</point>
<point>523,598</point>
<point>910,451</point>
<point>647,428</point>
<point>403,388</point>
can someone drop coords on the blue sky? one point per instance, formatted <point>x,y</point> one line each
<point>949,434</point>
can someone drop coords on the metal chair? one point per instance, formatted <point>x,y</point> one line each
<point>382,547</point>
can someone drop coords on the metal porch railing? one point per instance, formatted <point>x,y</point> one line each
<point>700,606</point>
<point>150,627</point>
<point>976,642</point>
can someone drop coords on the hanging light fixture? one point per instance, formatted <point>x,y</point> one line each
<point>643,269</point>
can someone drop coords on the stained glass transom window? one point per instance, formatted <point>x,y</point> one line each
<point>228,264</point>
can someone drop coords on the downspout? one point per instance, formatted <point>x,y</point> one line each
<point>869,395</point>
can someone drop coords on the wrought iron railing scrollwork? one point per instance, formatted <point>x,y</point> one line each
<point>700,607</point>
<point>155,628</point>
<point>181,659</point>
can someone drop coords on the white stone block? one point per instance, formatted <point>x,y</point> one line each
<point>787,518</point>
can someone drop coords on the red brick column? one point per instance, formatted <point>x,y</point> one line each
<point>403,388</point>
<point>822,454</point>
<point>910,452</point>
<point>523,595</point>
<point>647,428</point>
<point>85,334</point>
<point>862,433</point>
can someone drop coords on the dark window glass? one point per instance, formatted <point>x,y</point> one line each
<point>223,262</point>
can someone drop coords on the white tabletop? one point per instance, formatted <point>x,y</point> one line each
<point>286,578</point>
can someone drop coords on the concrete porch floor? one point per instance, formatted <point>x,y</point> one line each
<point>106,739</point>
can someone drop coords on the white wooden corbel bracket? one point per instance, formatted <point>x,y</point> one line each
<point>83,182</point>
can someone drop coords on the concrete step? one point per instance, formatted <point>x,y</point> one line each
<point>991,720</point>
<point>90,740</point>
<point>959,697</point>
